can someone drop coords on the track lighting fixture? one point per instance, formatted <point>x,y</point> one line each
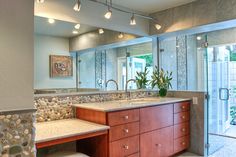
<point>40,1</point>
<point>132,20</point>
<point>100,31</point>
<point>158,27</point>
<point>108,13</point>
<point>77,26</point>
<point>121,35</point>
<point>77,6</point>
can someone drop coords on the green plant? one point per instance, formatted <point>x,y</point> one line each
<point>141,79</point>
<point>162,80</point>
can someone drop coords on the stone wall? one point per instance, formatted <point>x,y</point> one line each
<point>17,135</point>
<point>56,107</point>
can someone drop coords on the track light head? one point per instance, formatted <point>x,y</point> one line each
<point>100,31</point>
<point>132,20</point>
<point>121,35</point>
<point>158,27</point>
<point>40,1</point>
<point>108,13</point>
<point>77,6</point>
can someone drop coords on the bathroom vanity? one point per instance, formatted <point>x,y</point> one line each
<point>150,127</point>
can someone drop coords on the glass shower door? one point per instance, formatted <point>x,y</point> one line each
<point>218,100</point>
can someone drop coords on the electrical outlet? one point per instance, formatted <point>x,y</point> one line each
<point>195,100</point>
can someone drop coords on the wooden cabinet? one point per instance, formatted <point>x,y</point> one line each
<point>158,131</point>
<point>123,131</point>
<point>152,118</point>
<point>123,117</point>
<point>158,143</point>
<point>124,147</point>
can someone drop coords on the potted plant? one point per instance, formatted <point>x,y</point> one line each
<point>141,79</point>
<point>162,80</point>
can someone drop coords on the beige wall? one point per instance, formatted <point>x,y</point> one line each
<point>197,13</point>
<point>93,40</point>
<point>16,49</point>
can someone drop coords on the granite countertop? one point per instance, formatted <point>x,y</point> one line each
<point>118,105</point>
<point>48,131</point>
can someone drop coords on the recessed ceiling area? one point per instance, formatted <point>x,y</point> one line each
<point>150,6</point>
<point>59,28</point>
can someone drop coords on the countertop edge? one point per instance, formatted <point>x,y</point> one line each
<point>18,111</point>
<point>133,107</point>
<point>71,135</point>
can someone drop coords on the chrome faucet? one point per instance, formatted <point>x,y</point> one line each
<point>111,80</point>
<point>127,82</point>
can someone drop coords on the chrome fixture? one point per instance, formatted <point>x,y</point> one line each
<point>127,82</point>
<point>109,12</point>
<point>77,6</point>
<point>111,7</point>
<point>40,1</point>
<point>132,20</point>
<point>100,31</point>
<point>111,80</point>
<point>121,35</point>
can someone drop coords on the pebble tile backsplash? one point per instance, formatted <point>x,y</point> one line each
<point>17,135</point>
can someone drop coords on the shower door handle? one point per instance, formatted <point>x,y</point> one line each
<point>224,94</point>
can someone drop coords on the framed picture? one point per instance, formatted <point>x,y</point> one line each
<point>61,66</point>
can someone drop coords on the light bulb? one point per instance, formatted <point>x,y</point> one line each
<point>75,32</point>
<point>40,1</point>
<point>100,31</point>
<point>108,14</point>
<point>77,6</point>
<point>132,20</point>
<point>121,35</point>
<point>158,27</point>
<point>51,21</point>
<point>77,26</point>
<point>199,38</point>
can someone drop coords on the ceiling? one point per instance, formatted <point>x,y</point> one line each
<point>59,28</point>
<point>150,6</point>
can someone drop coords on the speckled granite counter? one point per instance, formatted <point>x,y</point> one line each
<point>48,131</point>
<point>110,106</point>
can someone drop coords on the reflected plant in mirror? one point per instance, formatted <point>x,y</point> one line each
<point>162,80</point>
<point>141,79</point>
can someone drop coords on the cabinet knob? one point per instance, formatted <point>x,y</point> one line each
<point>158,145</point>
<point>126,130</point>
<point>126,147</point>
<point>183,143</point>
<point>126,117</point>
<point>183,117</point>
<point>183,129</point>
<point>183,107</point>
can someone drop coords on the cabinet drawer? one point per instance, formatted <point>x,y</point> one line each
<point>125,147</point>
<point>123,117</point>
<point>181,107</point>
<point>181,144</point>
<point>181,117</point>
<point>123,131</point>
<point>181,130</point>
<point>134,155</point>
<point>152,118</point>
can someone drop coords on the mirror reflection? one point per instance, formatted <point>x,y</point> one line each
<point>71,57</point>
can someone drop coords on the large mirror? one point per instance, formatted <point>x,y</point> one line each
<point>79,58</point>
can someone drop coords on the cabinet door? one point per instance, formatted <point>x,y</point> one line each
<point>157,117</point>
<point>158,143</point>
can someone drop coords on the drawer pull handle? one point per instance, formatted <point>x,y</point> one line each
<point>126,147</point>
<point>183,143</point>
<point>158,145</point>
<point>183,130</point>
<point>126,130</point>
<point>126,117</point>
